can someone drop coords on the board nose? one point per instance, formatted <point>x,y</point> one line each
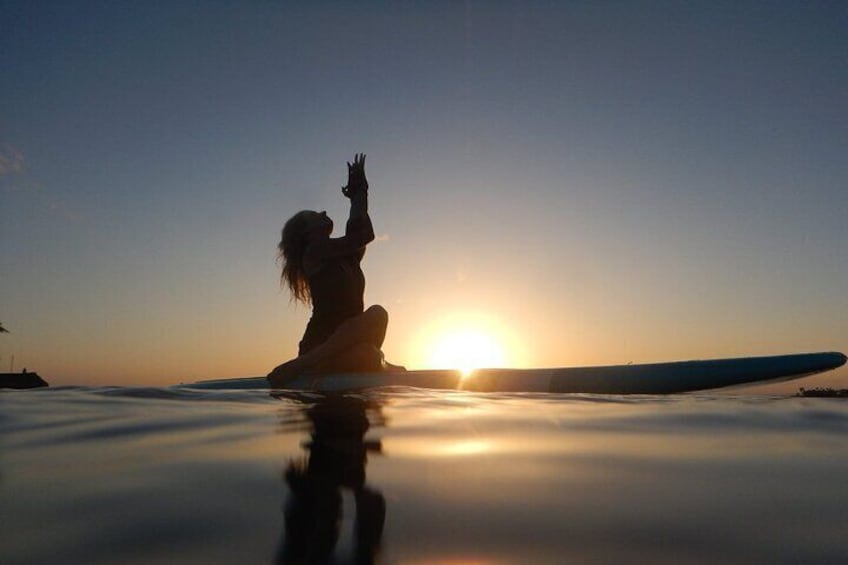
<point>843,357</point>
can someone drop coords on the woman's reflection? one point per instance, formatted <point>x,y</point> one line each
<point>337,455</point>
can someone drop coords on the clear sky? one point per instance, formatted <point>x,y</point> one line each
<point>588,182</point>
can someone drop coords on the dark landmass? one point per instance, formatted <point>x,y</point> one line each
<point>823,393</point>
<point>21,380</point>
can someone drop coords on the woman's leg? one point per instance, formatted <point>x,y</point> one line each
<point>368,327</point>
<point>362,357</point>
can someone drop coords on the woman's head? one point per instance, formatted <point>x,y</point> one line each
<point>298,232</point>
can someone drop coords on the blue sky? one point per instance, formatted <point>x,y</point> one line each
<point>604,182</point>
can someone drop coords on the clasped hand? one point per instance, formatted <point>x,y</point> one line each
<point>356,181</point>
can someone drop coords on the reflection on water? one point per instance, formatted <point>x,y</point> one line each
<point>336,460</point>
<point>404,476</point>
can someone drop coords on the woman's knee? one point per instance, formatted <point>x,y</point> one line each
<point>378,315</point>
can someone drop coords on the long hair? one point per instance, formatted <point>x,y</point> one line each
<point>291,249</point>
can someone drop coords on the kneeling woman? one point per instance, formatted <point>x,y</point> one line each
<point>341,335</point>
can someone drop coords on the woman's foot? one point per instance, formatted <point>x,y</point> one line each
<point>392,367</point>
<point>283,374</point>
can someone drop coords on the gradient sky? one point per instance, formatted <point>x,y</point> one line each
<point>599,182</point>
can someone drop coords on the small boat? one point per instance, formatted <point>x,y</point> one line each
<point>21,380</point>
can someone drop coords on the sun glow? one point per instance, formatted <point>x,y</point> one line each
<point>466,350</point>
<point>465,341</point>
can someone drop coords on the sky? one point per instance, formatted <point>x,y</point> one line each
<point>584,183</point>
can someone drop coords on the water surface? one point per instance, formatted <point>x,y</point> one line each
<point>129,475</point>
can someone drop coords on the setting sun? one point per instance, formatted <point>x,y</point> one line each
<point>466,350</point>
<point>465,341</point>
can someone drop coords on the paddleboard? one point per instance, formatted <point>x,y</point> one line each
<point>653,378</point>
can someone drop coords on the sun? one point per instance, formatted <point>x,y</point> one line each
<point>465,340</point>
<point>466,349</point>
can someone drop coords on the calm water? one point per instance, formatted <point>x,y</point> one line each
<point>121,475</point>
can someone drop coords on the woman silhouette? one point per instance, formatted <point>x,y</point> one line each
<point>341,335</point>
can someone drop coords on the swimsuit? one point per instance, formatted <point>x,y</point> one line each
<point>337,291</point>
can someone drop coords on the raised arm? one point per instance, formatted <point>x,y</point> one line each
<point>359,228</point>
<point>358,231</point>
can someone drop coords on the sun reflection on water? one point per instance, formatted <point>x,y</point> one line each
<point>465,447</point>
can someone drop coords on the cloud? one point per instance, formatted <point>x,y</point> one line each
<point>382,237</point>
<point>11,161</point>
